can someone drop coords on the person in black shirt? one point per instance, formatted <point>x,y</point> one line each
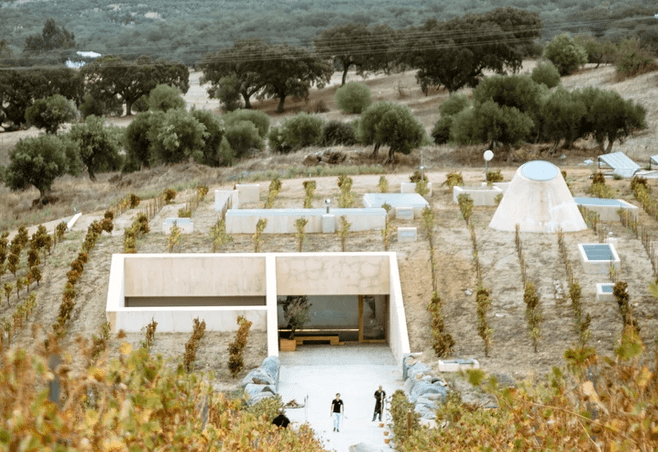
<point>281,420</point>
<point>337,410</point>
<point>380,395</point>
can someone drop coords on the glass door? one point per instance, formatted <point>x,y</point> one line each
<point>373,318</point>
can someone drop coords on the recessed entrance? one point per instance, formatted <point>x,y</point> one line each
<point>353,318</point>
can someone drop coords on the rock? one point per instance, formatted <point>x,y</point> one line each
<point>253,389</point>
<point>259,377</point>
<point>418,370</point>
<point>422,387</point>
<point>271,365</point>
<point>425,413</point>
<point>253,400</point>
<point>363,447</point>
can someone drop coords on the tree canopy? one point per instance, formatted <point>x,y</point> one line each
<point>112,76</point>
<point>20,88</point>
<point>455,53</point>
<point>98,144</point>
<point>38,162</point>
<point>50,113</point>
<point>355,44</point>
<point>235,69</point>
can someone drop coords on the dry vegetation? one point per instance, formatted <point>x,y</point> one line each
<point>511,352</point>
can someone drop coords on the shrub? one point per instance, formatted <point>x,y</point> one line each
<point>441,131</point>
<point>236,348</point>
<point>256,117</point>
<point>453,105</point>
<point>243,136</point>
<point>454,179</point>
<point>353,97</point>
<point>169,195</point>
<point>226,153</point>
<point>165,97</point>
<point>633,60</point>
<point>337,132</point>
<point>565,53</point>
<point>215,131</point>
<point>546,73</point>
<point>297,132</point>
<point>494,176</point>
<point>184,213</point>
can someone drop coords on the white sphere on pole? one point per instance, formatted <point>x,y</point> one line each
<point>488,155</point>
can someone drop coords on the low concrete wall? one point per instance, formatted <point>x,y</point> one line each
<point>410,187</point>
<point>397,200</point>
<point>282,221</point>
<point>608,208</point>
<point>247,193</point>
<point>599,266</point>
<point>481,196</point>
<point>225,199</point>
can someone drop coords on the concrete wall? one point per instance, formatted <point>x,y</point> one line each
<point>332,274</point>
<point>398,336</point>
<point>282,221</point>
<point>194,275</point>
<point>481,196</point>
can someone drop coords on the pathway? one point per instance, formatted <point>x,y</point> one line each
<point>354,371</point>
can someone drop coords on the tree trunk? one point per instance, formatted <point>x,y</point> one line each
<point>391,152</point>
<point>129,108</point>
<point>282,100</point>
<point>345,68</point>
<point>375,151</point>
<point>246,97</point>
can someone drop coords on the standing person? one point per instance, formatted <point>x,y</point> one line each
<point>380,395</point>
<point>337,410</point>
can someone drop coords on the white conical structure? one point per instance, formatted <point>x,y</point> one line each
<point>538,200</point>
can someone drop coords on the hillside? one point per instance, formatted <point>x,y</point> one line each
<point>512,354</point>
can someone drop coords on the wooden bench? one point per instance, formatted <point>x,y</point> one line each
<point>333,340</point>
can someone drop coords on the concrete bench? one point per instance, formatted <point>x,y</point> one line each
<point>333,340</point>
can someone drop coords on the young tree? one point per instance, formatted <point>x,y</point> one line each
<point>546,73</point>
<point>215,134</point>
<point>565,53</point>
<point>562,114</point>
<point>50,113</point>
<point>98,144</point>
<point>137,138</point>
<point>165,97</point>
<point>609,116</point>
<point>177,137</point>
<point>353,97</point>
<point>38,162</point>
<point>400,130</point>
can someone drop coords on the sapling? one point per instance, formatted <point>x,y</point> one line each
<point>387,232</point>
<point>533,313</point>
<point>342,232</point>
<point>484,331</point>
<point>174,237</point>
<point>383,184</point>
<point>465,206</point>
<point>309,190</point>
<point>300,224</point>
<point>257,238</point>
<point>346,198</point>
<point>219,236</point>
<point>422,187</point>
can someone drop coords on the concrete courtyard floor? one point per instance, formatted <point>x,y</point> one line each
<point>354,371</point>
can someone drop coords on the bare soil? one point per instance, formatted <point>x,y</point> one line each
<point>512,352</point>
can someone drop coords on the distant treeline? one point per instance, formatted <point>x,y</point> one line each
<point>185,31</point>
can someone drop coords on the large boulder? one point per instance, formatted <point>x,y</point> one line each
<point>252,389</point>
<point>260,377</point>
<point>253,400</point>
<point>271,365</point>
